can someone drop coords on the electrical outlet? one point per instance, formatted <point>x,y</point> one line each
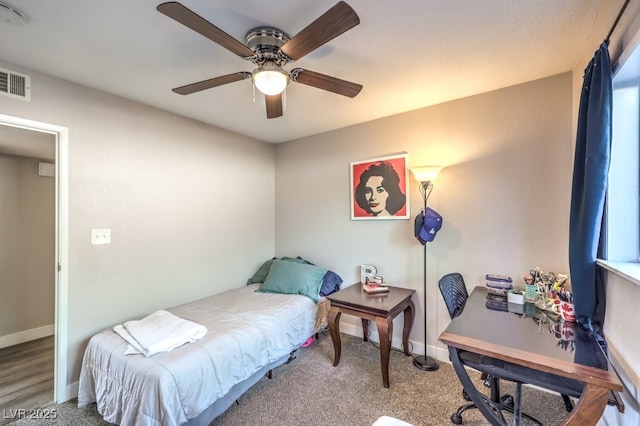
<point>100,236</point>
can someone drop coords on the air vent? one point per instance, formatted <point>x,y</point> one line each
<point>15,85</point>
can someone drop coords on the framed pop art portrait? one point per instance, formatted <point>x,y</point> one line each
<point>379,188</point>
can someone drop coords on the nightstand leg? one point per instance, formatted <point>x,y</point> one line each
<point>385,330</point>
<point>409,314</point>
<point>365,329</point>
<point>334,329</point>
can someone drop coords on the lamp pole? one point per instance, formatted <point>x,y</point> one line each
<point>425,362</point>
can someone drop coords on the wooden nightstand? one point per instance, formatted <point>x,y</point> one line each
<point>380,308</point>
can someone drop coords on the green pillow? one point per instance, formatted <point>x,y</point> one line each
<point>261,273</point>
<point>294,278</point>
<point>295,259</point>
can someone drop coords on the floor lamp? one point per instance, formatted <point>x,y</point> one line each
<point>425,175</point>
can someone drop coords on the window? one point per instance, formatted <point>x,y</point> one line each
<point>623,198</point>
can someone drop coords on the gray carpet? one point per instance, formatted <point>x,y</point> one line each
<point>310,391</point>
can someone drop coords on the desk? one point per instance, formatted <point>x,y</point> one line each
<point>380,308</point>
<point>528,343</point>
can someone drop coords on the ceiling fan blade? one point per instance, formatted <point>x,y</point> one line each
<point>210,83</point>
<point>325,82</point>
<point>200,25</point>
<point>274,105</point>
<point>330,25</point>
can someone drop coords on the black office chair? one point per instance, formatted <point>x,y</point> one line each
<point>455,295</point>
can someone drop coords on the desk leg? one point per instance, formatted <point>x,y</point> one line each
<point>590,406</point>
<point>334,329</point>
<point>409,314</point>
<point>385,330</point>
<point>489,410</point>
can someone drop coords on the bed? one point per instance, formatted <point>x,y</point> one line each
<point>250,330</point>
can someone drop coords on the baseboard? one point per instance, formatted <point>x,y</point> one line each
<point>26,335</point>
<point>72,391</point>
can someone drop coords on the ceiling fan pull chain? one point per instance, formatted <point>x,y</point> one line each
<point>253,85</point>
<point>284,100</point>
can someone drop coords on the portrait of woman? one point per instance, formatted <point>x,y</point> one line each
<point>379,189</point>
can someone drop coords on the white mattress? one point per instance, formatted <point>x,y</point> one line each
<point>247,330</point>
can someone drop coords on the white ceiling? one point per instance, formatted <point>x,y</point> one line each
<point>407,54</point>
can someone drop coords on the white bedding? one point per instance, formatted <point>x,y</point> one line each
<point>247,330</point>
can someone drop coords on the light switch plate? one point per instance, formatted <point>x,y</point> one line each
<point>100,236</point>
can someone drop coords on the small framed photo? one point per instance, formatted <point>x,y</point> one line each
<point>379,188</point>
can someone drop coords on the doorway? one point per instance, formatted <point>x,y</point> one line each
<point>60,391</point>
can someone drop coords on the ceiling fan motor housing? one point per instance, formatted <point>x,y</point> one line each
<point>266,43</point>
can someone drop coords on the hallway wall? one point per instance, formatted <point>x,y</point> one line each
<point>27,252</point>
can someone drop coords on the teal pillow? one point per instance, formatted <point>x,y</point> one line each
<point>294,278</point>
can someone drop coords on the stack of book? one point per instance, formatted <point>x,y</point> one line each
<point>372,288</point>
<point>499,283</point>
<point>498,287</point>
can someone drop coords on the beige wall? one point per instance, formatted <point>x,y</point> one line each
<point>190,206</point>
<point>504,194</point>
<point>27,248</point>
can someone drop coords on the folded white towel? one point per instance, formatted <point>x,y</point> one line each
<point>159,332</point>
<point>133,347</point>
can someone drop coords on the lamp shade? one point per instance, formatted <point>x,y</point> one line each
<point>426,173</point>
<point>270,79</point>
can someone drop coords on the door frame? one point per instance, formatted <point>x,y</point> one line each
<point>61,271</point>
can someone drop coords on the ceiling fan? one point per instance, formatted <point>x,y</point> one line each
<point>270,49</point>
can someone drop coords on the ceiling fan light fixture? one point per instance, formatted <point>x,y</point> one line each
<point>270,79</point>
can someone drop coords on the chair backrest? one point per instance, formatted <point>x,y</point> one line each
<point>454,292</point>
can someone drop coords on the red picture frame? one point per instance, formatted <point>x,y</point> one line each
<point>379,188</point>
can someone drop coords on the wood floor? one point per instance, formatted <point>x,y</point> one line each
<point>26,377</point>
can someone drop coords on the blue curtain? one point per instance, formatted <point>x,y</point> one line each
<point>590,171</point>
